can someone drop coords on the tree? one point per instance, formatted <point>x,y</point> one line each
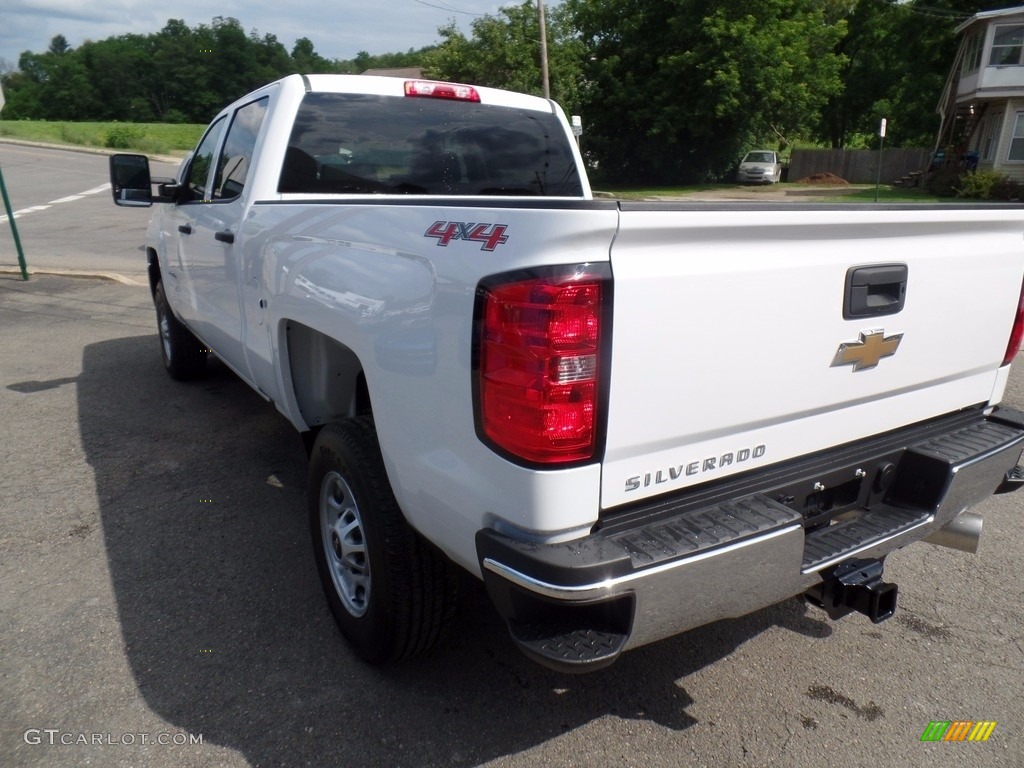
<point>306,60</point>
<point>504,52</point>
<point>896,59</point>
<point>118,68</point>
<point>59,45</point>
<point>50,86</point>
<point>364,61</point>
<point>676,89</point>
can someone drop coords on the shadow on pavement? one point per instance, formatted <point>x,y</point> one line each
<point>226,631</point>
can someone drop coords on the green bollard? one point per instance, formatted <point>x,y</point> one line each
<point>14,227</point>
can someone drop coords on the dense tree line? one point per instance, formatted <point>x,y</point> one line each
<point>179,74</point>
<point>669,90</point>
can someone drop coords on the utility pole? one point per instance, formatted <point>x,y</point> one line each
<point>543,51</point>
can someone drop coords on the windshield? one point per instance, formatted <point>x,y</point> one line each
<point>759,157</point>
<point>359,144</point>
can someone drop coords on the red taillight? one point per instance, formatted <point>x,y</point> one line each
<point>435,90</point>
<point>539,365</point>
<point>1017,334</point>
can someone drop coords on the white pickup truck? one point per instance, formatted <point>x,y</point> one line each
<point>628,419</point>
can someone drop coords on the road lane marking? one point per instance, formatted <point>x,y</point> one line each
<point>23,211</point>
<point>18,214</point>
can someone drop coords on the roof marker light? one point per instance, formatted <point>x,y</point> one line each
<point>436,90</point>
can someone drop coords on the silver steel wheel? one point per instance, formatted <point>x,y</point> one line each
<point>165,333</point>
<point>344,541</point>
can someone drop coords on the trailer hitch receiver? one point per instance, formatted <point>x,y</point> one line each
<point>855,585</point>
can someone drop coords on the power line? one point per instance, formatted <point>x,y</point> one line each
<point>449,8</point>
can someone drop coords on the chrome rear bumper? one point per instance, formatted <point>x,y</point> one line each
<point>678,565</point>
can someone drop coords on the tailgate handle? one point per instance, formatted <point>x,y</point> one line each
<point>875,291</point>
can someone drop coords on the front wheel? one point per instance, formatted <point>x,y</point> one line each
<point>184,357</point>
<point>391,594</point>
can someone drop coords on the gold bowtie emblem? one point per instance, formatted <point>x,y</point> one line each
<point>872,347</point>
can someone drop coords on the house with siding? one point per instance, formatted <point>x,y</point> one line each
<point>982,105</point>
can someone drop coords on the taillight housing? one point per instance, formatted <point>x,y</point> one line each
<point>539,362</point>
<point>1017,334</point>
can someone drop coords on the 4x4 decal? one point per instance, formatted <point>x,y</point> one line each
<point>490,236</point>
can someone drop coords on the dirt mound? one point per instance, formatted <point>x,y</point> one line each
<point>823,178</point>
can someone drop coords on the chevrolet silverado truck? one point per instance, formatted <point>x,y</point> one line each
<point>627,419</point>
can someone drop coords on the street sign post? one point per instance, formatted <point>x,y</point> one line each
<point>10,212</point>
<point>881,149</point>
<point>14,227</point>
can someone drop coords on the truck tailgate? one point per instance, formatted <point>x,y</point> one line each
<point>728,329</point>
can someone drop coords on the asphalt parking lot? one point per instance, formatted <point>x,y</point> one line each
<point>159,588</point>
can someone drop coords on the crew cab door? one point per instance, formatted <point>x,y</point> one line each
<point>179,225</point>
<point>209,244</point>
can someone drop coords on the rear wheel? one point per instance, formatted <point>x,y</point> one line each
<point>391,594</point>
<point>184,357</point>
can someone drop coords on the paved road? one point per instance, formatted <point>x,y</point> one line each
<point>158,586</point>
<point>157,581</point>
<point>64,213</point>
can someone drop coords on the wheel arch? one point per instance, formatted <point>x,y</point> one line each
<point>152,269</point>
<point>325,376</point>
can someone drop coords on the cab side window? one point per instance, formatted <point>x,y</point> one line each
<point>202,161</point>
<point>235,158</point>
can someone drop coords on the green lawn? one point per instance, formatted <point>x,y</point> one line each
<point>151,138</point>
<point>857,194</point>
<point>887,194</point>
<point>643,193</point>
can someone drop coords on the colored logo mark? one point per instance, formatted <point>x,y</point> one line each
<point>958,730</point>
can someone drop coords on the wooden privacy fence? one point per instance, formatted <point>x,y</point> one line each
<point>857,166</point>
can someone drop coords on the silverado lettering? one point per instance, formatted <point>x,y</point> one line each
<point>660,476</point>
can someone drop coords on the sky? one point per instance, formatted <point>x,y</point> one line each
<point>338,29</point>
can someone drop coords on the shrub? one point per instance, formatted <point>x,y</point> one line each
<point>175,116</point>
<point>1006,189</point>
<point>123,136</point>
<point>944,182</point>
<point>978,185</point>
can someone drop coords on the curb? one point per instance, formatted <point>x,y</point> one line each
<point>88,150</point>
<point>114,277</point>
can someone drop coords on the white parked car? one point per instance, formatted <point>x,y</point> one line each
<point>760,166</point>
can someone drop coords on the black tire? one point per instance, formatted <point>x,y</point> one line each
<point>183,355</point>
<point>391,593</point>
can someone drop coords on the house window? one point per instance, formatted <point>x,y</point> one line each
<point>972,53</point>
<point>991,136</point>
<point>1017,142</point>
<point>1007,45</point>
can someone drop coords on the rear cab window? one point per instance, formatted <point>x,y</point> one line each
<point>372,144</point>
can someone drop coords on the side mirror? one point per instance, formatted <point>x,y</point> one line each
<point>130,181</point>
